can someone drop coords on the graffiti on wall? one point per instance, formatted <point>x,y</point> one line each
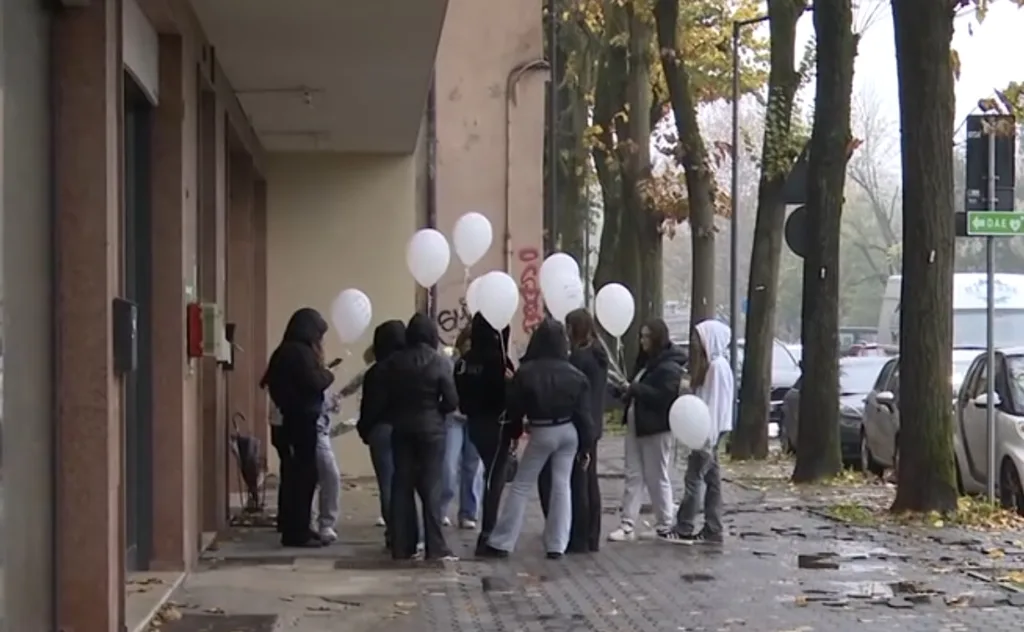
<point>452,319</point>
<point>529,288</point>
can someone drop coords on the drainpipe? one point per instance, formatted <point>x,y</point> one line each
<point>513,79</point>
<point>431,186</point>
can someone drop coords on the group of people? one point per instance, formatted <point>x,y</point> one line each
<point>444,423</point>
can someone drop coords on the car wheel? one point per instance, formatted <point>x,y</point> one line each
<point>867,460</point>
<point>1011,494</point>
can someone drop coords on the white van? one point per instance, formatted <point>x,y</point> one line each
<point>970,292</point>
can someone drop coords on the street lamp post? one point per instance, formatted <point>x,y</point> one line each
<point>734,233</point>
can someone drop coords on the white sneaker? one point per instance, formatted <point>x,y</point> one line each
<point>467,523</point>
<point>380,522</point>
<point>446,522</point>
<point>622,534</point>
<point>328,535</point>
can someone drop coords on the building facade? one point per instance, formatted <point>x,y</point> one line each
<point>171,166</point>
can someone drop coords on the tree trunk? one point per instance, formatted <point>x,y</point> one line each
<point>643,244</point>
<point>818,450</point>
<point>700,183</point>
<point>609,104</point>
<point>924,32</point>
<point>573,209</point>
<point>751,438</point>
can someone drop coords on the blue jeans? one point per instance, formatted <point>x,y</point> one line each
<point>463,471</point>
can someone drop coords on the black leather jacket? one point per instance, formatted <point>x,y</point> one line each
<point>548,387</point>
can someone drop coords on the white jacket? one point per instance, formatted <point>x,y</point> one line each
<point>718,390</point>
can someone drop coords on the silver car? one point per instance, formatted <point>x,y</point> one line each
<point>879,447</point>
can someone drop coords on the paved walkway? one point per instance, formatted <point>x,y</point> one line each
<point>781,569</point>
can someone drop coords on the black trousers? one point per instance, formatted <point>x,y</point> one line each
<point>419,464</point>
<point>284,456</point>
<point>586,504</point>
<point>299,484</point>
<point>492,442</point>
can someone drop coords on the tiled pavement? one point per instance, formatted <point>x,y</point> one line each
<point>861,579</point>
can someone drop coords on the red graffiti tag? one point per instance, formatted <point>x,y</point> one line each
<point>529,289</point>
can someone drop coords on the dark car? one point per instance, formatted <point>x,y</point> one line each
<point>857,377</point>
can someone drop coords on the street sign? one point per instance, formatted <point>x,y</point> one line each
<point>976,191</point>
<point>995,223</point>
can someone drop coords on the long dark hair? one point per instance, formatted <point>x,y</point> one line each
<point>660,340</point>
<point>580,326</point>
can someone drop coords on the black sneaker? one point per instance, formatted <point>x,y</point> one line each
<point>708,538</point>
<point>486,550</point>
<point>554,556</point>
<point>673,537</point>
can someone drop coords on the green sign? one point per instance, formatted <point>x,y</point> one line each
<point>995,223</point>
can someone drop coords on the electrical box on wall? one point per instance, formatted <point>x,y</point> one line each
<point>213,329</point>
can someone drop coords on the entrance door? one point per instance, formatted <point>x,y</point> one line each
<point>138,401</point>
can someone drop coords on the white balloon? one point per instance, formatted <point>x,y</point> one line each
<point>472,237</point>
<point>563,295</point>
<point>428,256</point>
<point>351,313</point>
<point>473,295</point>
<point>615,308</point>
<point>556,266</point>
<point>690,421</point>
<point>498,299</point>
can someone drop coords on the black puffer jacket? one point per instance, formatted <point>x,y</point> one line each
<point>388,338</point>
<point>548,386</point>
<point>653,394</point>
<point>417,386</point>
<point>480,373</point>
<point>592,360</point>
<point>296,377</point>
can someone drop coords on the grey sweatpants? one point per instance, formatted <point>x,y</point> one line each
<point>329,482</point>
<point>648,464</point>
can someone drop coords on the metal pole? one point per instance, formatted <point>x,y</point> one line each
<point>734,241</point>
<point>553,129</point>
<point>990,410</point>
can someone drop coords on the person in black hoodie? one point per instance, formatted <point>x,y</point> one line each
<point>481,376</point>
<point>296,379</point>
<point>588,356</point>
<point>417,394</point>
<point>375,432</point>
<point>553,398</point>
<point>648,443</point>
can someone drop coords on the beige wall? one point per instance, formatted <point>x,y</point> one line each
<point>336,221</point>
<point>490,144</point>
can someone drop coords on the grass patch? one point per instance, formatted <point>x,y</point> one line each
<point>973,514</point>
<point>854,513</point>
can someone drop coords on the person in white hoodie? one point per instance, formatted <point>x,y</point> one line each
<point>711,379</point>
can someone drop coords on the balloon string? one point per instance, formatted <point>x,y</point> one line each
<point>465,281</point>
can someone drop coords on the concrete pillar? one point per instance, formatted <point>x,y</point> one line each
<point>212,187</point>
<point>173,219</point>
<point>28,341</point>
<point>240,290</point>
<point>261,422</point>
<point>88,121</point>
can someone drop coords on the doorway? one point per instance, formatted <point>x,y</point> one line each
<point>138,397</point>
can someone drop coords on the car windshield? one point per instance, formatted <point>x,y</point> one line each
<point>1015,376</point>
<point>970,327</point>
<point>959,371</point>
<point>858,377</point>
<point>782,359</point>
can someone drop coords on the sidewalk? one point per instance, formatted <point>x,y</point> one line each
<point>781,569</point>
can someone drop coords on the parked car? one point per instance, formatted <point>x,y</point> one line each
<point>785,373</point>
<point>856,378</point>
<point>970,437</point>
<point>879,445</point>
